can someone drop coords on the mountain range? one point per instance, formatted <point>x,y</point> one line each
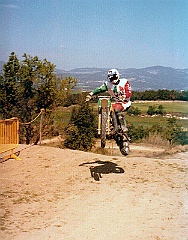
<point>150,78</point>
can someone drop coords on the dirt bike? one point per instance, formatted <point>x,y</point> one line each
<point>109,126</point>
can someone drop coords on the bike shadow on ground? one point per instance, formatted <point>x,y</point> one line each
<point>103,167</point>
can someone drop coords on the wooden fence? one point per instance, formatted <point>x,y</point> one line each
<point>9,137</point>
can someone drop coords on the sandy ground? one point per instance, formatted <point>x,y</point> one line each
<point>51,194</point>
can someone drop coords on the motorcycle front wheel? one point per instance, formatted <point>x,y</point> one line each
<point>103,128</point>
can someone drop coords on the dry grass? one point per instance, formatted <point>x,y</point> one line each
<point>103,151</point>
<point>157,141</point>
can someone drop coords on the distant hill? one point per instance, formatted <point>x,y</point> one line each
<point>156,77</point>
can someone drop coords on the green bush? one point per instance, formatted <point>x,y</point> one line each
<point>137,133</point>
<point>181,138</point>
<point>151,110</point>
<point>80,132</point>
<point>174,132</point>
<point>133,111</point>
<point>171,132</point>
<point>160,110</point>
<point>156,110</point>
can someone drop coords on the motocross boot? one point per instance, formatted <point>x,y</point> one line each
<point>122,122</point>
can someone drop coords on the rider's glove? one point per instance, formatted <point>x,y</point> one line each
<point>88,98</point>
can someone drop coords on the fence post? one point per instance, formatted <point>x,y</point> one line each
<point>41,122</point>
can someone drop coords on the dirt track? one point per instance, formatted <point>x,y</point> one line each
<point>50,194</point>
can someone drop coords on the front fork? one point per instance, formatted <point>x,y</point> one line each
<point>99,119</point>
<point>111,115</point>
<point>104,104</point>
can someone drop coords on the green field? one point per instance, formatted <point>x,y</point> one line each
<point>62,115</point>
<point>174,107</point>
<point>149,121</point>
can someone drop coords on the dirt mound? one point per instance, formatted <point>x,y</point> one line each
<point>60,194</point>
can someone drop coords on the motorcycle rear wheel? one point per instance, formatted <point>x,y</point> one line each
<point>124,148</point>
<point>123,143</point>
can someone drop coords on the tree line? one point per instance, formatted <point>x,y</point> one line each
<point>161,94</point>
<point>28,86</point>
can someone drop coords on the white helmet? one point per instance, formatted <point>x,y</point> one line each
<point>113,76</point>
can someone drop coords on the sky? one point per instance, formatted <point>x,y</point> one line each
<point>96,33</point>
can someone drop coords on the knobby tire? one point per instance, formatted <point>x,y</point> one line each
<point>103,128</point>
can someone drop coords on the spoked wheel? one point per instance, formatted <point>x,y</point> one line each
<point>103,128</point>
<point>122,141</point>
<point>124,148</point>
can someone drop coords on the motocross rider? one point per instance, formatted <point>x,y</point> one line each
<point>120,91</point>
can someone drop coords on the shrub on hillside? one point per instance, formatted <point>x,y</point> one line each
<point>171,134</point>
<point>151,110</point>
<point>137,133</point>
<point>80,132</point>
<point>181,138</point>
<point>174,132</point>
<point>156,110</point>
<point>133,111</point>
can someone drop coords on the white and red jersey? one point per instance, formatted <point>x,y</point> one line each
<point>121,92</point>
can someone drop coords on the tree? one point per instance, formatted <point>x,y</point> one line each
<point>28,86</point>
<point>81,129</point>
<point>134,111</point>
<point>9,86</point>
<point>64,90</point>
<point>181,137</point>
<point>160,110</point>
<point>163,94</point>
<point>27,91</point>
<point>151,110</point>
<point>155,110</point>
<point>38,89</point>
<point>137,133</point>
<point>2,97</point>
<point>45,84</point>
<point>160,94</point>
<point>172,130</point>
